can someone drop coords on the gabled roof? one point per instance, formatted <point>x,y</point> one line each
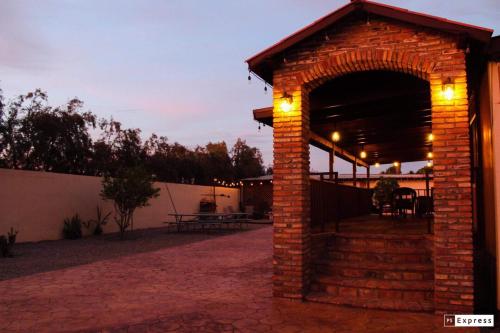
<point>259,62</point>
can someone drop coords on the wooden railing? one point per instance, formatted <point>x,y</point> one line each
<point>331,202</point>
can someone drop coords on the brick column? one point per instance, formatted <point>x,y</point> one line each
<point>453,241</point>
<point>291,198</point>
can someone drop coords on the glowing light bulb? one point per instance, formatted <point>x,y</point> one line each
<point>430,137</point>
<point>285,106</point>
<point>286,103</point>
<point>335,136</point>
<point>448,92</point>
<point>430,155</point>
<point>362,154</point>
<point>377,165</point>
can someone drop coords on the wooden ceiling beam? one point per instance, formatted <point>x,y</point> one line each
<point>325,144</point>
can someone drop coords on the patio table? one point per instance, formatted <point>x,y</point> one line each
<point>207,219</point>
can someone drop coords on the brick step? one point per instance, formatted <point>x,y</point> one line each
<point>374,269</point>
<point>372,303</point>
<point>339,283</point>
<point>400,244</point>
<point>347,255</point>
<point>391,247</point>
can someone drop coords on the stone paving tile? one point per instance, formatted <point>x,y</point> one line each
<point>216,285</point>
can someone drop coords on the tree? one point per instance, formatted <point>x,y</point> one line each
<point>393,170</point>
<point>130,189</point>
<point>247,161</point>
<point>424,170</point>
<point>36,136</point>
<point>65,139</point>
<point>214,162</point>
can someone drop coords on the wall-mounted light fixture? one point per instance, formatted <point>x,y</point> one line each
<point>449,89</point>
<point>286,102</point>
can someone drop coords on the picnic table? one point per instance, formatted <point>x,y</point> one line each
<point>207,220</point>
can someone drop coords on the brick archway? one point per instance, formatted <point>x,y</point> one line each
<point>453,244</point>
<point>367,60</point>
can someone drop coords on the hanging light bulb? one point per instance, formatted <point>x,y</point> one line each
<point>362,154</point>
<point>377,165</point>
<point>429,164</point>
<point>249,78</point>
<point>396,164</point>
<point>335,136</point>
<point>265,89</point>
<point>430,155</point>
<point>430,137</point>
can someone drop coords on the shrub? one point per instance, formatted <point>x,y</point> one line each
<point>4,246</point>
<point>11,235</point>
<point>382,193</point>
<point>100,221</point>
<point>72,227</point>
<point>7,243</point>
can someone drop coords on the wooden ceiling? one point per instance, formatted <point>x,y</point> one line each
<point>388,114</point>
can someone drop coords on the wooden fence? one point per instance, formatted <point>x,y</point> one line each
<point>331,202</point>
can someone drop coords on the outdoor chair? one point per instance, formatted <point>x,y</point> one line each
<point>403,199</point>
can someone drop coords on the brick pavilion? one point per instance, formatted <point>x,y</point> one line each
<point>395,85</point>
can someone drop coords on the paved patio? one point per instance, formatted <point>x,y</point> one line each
<point>219,284</point>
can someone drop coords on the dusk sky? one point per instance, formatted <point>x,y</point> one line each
<point>173,67</point>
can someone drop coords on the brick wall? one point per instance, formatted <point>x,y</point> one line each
<point>350,46</point>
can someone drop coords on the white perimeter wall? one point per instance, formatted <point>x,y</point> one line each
<point>36,203</point>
